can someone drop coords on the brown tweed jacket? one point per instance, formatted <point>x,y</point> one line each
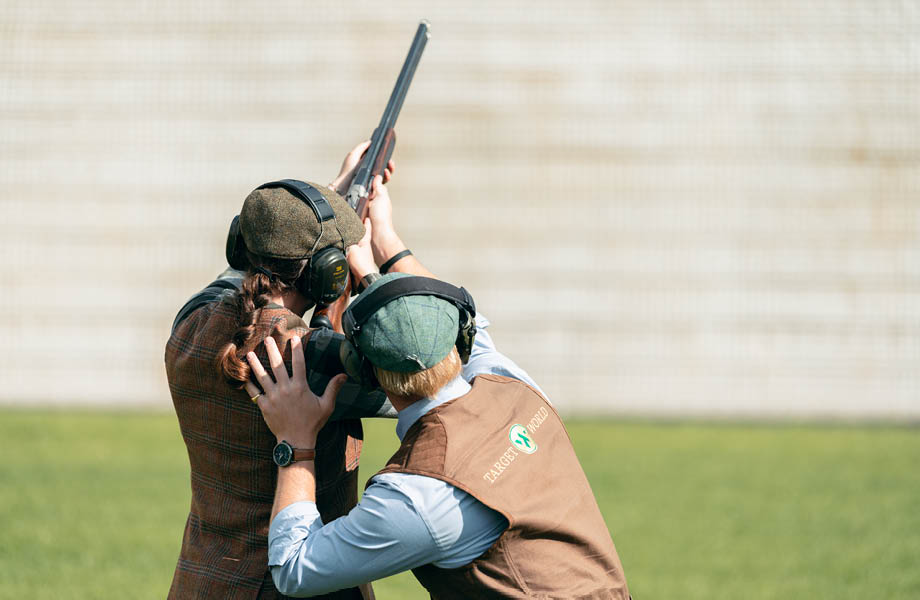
<point>225,547</point>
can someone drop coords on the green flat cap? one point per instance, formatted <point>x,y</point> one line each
<point>409,334</point>
<point>277,224</point>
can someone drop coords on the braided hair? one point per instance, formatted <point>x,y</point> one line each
<point>265,278</point>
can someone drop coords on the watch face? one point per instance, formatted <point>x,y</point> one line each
<point>282,454</point>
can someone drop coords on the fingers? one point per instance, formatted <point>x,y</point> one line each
<point>357,152</point>
<point>298,361</point>
<point>374,187</point>
<point>388,171</point>
<point>361,148</point>
<point>368,231</point>
<point>262,377</point>
<point>327,400</point>
<point>252,390</point>
<point>276,361</point>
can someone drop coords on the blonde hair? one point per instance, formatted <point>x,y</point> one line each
<point>421,383</point>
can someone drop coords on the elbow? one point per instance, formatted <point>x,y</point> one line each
<point>284,583</point>
<point>295,583</point>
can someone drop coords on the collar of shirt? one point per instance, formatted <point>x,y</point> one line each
<point>455,388</point>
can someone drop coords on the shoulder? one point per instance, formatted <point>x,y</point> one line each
<point>225,284</point>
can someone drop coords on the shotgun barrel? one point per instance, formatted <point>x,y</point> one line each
<point>373,163</point>
<point>384,138</point>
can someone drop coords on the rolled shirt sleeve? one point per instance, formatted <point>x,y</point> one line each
<point>381,536</point>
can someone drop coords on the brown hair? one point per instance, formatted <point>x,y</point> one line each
<point>421,383</point>
<point>257,290</point>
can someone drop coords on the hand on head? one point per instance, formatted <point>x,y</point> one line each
<point>290,409</point>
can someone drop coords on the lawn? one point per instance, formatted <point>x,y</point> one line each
<point>93,506</point>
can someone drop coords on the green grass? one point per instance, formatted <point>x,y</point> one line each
<point>93,506</point>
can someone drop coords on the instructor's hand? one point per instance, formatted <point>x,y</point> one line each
<point>290,409</point>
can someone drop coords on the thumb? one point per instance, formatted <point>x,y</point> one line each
<point>333,387</point>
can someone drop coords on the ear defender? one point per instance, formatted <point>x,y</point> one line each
<point>356,366</point>
<point>466,334</point>
<point>236,246</point>
<point>325,277</point>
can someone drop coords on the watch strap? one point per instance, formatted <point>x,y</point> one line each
<point>302,455</point>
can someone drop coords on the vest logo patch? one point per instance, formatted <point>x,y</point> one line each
<point>521,439</point>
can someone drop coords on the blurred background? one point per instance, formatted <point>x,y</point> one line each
<point>673,213</point>
<point>665,208</point>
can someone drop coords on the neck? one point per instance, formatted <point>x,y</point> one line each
<point>292,300</point>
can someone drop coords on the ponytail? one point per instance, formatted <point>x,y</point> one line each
<point>257,290</point>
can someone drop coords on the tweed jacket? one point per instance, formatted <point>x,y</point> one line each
<point>224,548</point>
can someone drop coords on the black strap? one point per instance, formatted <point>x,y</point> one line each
<point>364,307</point>
<point>271,276</point>
<point>394,259</point>
<point>212,293</point>
<point>306,192</point>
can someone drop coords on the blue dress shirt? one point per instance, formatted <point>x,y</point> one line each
<point>403,521</point>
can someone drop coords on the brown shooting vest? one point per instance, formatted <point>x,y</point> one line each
<point>225,547</point>
<point>505,445</point>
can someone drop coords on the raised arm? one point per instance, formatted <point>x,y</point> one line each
<point>381,243</point>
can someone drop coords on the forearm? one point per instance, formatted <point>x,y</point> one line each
<point>381,536</point>
<point>296,483</point>
<point>388,244</point>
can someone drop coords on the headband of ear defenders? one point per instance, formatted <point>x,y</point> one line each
<point>309,194</point>
<point>366,305</point>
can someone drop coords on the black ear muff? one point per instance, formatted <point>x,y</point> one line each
<point>356,366</point>
<point>325,277</point>
<point>466,333</point>
<point>236,246</point>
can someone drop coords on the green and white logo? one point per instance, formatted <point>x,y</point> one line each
<point>521,439</point>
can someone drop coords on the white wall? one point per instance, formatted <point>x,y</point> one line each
<point>705,208</point>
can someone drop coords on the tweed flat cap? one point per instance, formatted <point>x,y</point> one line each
<point>277,224</point>
<point>408,334</point>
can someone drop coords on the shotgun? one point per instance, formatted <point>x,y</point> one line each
<point>373,163</point>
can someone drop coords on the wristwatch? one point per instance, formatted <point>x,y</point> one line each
<point>284,454</point>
